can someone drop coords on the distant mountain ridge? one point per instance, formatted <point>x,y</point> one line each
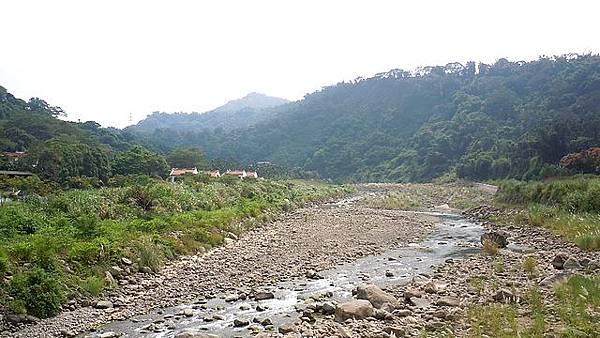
<point>235,114</point>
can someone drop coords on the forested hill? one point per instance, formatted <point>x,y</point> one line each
<point>509,119</point>
<point>240,113</point>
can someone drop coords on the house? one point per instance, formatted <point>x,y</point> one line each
<point>179,172</point>
<point>213,173</point>
<point>11,173</point>
<point>236,173</point>
<point>251,174</point>
<point>14,156</point>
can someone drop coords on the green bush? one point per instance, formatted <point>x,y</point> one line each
<point>38,291</point>
<point>93,285</point>
<point>4,264</point>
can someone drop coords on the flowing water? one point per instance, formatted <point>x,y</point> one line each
<point>454,236</point>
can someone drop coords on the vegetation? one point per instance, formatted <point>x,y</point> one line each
<point>477,121</point>
<point>577,305</point>
<point>570,207</point>
<point>59,246</point>
<point>458,195</point>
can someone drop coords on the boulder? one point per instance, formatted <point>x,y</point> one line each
<point>263,295</point>
<point>328,308</point>
<point>571,264</point>
<point>116,271</point>
<point>500,238</point>
<point>559,260</point>
<point>375,295</point>
<point>287,328</point>
<point>356,309</point>
<point>504,296</point>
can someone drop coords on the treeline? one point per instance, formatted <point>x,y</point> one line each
<point>81,155</point>
<point>477,121</point>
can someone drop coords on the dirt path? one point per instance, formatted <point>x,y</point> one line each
<point>313,238</point>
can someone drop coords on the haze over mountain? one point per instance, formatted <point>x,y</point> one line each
<point>239,113</point>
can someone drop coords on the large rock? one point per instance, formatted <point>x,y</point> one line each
<point>500,238</point>
<point>448,301</point>
<point>559,260</point>
<point>375,295</point>
<point>263,295</point>
<point>357,309</point>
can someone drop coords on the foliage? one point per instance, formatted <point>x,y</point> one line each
<point>585,161</point>
<point>506,120</point>
<point>579,306</point>
<point>186,158</point>
<point>140,161</point>
<point>570,207</point>
<point>38,291</point>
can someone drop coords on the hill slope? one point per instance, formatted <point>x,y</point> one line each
<point>509,119</point>
<point>240,113</point>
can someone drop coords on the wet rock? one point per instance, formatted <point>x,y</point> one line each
<point>266,322</point>
<point>103,304</point>
<point>430,287</point>
<point>232,298</point>
<point>263,295</point>
<point>312,274</point>
<point>109,334</point>
<point>500,238</point>
<point>146,269</point>
<point>375,295</point>
<point>240,322</point>
<point>357,309</point>
<point>188,312</point>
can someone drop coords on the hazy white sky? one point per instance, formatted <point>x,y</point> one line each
<point>102,60</point>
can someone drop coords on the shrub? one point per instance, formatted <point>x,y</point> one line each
<point>490,248</point>
<point>150,254</point>
<point>93,285</point>
<point>530,266</point>
<point>40,292</point>
<point>4,263</point>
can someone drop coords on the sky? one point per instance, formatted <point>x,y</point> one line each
<point>109,60</point>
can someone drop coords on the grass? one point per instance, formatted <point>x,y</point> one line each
<point>490,248</point>
<point>529,266</point>
<point>63,243</point>
<point>576,303</point>
<point>568,207</point>
<point>458,195</point>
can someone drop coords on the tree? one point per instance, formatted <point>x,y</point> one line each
<point>140,161</point>
<point>186,158</point>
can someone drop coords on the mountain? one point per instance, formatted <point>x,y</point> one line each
<point>240,113</point>
<point>479,121</point>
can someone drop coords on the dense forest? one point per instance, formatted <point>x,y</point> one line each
<point>478,121</point>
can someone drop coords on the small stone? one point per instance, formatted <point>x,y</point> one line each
<point>263,295</point>
<point>559,260</point>
<point>396,330</point>
<point>448,301</point>
<point>126,261</point>
<point>103,304</point>
<point>188,312</point>
<point>328,308</point>
<point>504,296</point>
<point>287,328</point>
